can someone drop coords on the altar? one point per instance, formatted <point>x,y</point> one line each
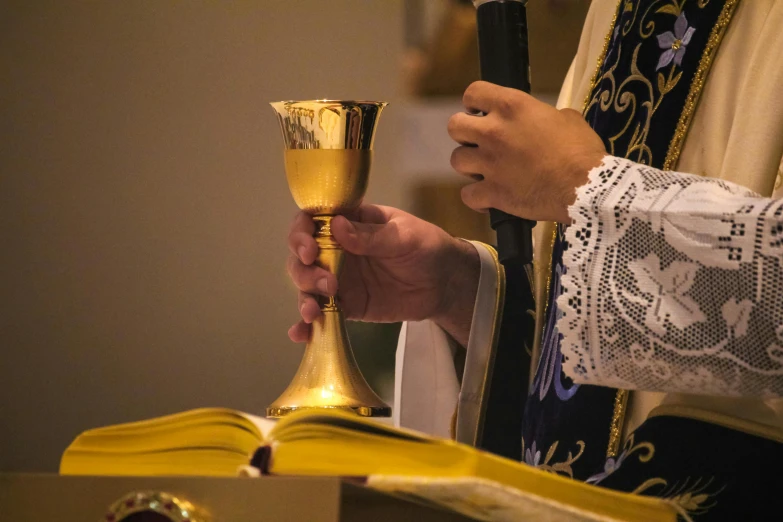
<point>203,499</point>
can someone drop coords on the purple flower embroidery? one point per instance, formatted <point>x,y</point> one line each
<point>532,457</point>
<point>610,466</point>
<point>675,43</point>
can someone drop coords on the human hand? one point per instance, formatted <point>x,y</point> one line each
<point>397,268</point>
<point>526,157</point>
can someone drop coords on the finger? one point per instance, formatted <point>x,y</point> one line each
<point>300,238</point>
<point>303,222</point>
<point>478,196</point>
<point>364,239</point>
<point>469,161</point>
<point>300,332</point>
<point>495,100</point>
<point>466,129</point>
<point>303,246</point>
<point>481,97</point>
<point>311,279</point>
<point>377,214</point>
<point>308,307</point>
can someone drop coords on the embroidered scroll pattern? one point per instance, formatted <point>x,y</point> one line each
<point>532,457</point>
<point>632,94</point>
<point>690,496</point>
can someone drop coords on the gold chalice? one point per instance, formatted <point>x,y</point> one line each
<point>328,153</point>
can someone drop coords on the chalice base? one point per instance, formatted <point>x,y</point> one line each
<point>328,376</point>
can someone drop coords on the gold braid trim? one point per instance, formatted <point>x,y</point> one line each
<point>675,146</point>
<point>618,421</point>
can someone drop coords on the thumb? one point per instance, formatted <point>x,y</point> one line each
<point>366,239</point>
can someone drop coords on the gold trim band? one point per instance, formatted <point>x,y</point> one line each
<point>617,424</point>
<point>697,85</point>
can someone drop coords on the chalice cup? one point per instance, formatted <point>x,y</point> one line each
<point>328,154</point>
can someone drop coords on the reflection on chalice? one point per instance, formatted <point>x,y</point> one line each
<point>328,154</point>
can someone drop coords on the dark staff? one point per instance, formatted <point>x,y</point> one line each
<point>504,60</point>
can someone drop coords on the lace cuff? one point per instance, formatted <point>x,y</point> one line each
<point>673,282</point>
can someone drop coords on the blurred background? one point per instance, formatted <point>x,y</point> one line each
<point>143,204</point>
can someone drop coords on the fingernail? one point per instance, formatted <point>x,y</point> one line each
<point>307,320</point>
<point>322,286</point>
<point>301,251</point>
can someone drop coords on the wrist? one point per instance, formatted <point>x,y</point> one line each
<point>459,286</point>
<point>578,178</point>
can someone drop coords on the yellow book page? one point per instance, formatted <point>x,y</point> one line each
<point>163,444</point>
<point>230,436</point>
<point>334,443</point>
<point>210,462</point>
<point>187,418</point>
<point>181,418</point>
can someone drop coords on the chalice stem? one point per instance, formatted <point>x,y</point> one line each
<point>330,255</point>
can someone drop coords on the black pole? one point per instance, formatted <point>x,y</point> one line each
<point>504,60</point>
<point>502,36</point>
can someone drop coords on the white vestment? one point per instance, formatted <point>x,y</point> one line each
<point>736,136</point>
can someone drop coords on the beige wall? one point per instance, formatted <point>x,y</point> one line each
<point>143,207</point>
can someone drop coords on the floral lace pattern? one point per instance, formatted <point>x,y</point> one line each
<point>550,361</point>
<point>674,282</point>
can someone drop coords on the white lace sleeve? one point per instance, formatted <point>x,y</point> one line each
<point>673,282</point>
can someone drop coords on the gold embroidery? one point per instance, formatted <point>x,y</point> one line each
<point>688,499</point>
<point>672,8</point>
<point>666,85</point>
<point>626,101</point>
<point>563,467</point>
<point>675,146</point>
<point>601,57</point>
<point>647,484</point>
<point>618,421</point>
<point>621,101</point>
<point>629,7</point>
<point>629,448</point>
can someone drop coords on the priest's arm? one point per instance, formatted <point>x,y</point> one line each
<point>673,283</point>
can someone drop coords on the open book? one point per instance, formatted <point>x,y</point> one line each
<point>214,441</point>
